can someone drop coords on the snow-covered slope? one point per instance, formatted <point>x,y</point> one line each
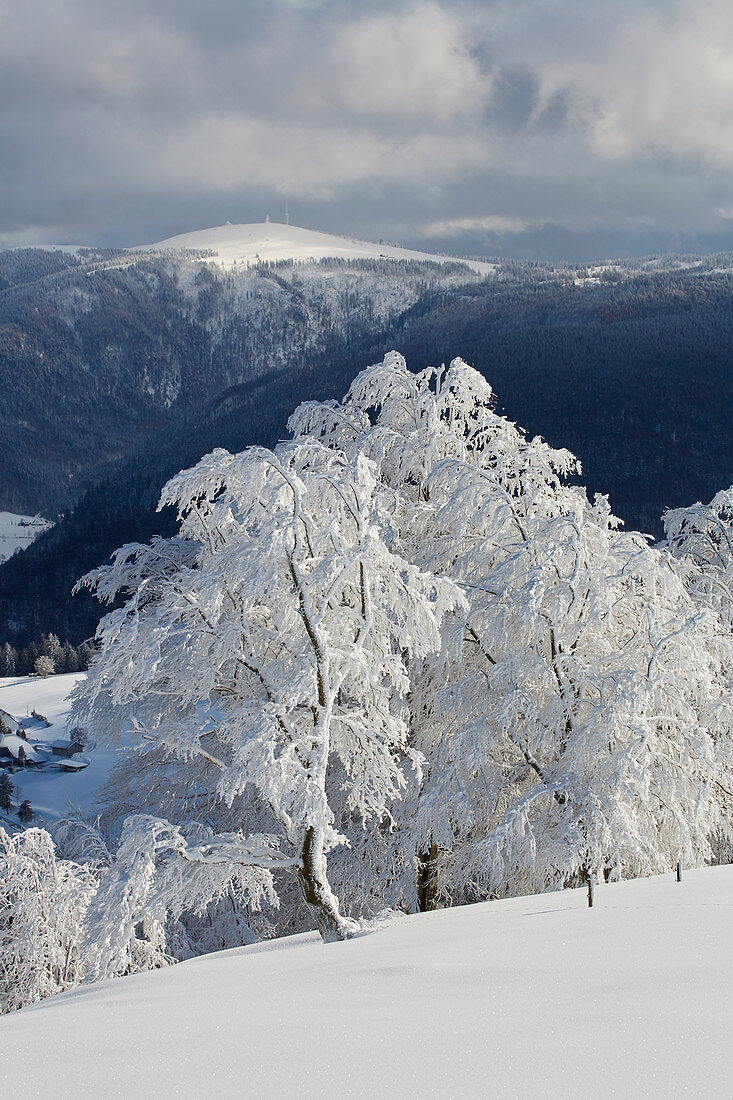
<point>250,244</point>
<point>532,997</point>
<point>17,532</point>
<point>52,793</point>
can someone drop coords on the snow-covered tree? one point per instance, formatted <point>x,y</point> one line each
<point>590,728</point>
<point>271,639</point>
<point>287,661</point>
<point>8,660</point>
<point>44,667</point>
<point>42,905</point>
<point>702,536</point>
<point>51,647</point>
<point>158,872</point>
<point>586,727</point>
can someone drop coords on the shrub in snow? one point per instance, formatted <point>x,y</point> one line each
<point>64,922</point>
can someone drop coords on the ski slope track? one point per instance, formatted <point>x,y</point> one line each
<point>536,996</point>
<point>247,245</point>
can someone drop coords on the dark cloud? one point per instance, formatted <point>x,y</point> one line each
<point>515,126</point>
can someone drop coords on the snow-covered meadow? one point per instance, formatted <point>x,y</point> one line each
<point>17,532</point>
<point>534,996</point>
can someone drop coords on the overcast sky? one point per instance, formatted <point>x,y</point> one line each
<point>537,128</point>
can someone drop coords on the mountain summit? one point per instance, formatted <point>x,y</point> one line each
<point>246,245</point>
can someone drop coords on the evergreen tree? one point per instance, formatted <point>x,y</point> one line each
<point>8,660</point>
<point>6,793</point>
<point>69,659</point>
<point>27,659</point>
<point>51,647</point>
<point>25,812</point>
<point>84,656</point>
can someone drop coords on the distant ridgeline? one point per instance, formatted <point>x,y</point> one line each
<point>120,370</point>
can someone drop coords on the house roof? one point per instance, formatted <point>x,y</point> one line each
<point>10,722</point>
<point>14,744</point>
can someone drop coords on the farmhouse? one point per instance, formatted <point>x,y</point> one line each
<point>62,747</point>
<point>15,749</point>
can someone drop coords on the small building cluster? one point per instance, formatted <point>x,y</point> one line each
<point>17,750</point>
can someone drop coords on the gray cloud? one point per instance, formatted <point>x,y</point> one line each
<point>519,127</point>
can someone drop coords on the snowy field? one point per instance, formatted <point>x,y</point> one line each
<point>532,997</point>
<point>249,244</point>
<point>52,793</point>
<point>17,532</point>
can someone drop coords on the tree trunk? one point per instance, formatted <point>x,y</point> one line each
<point>318,896</point>
<point>426,880</point>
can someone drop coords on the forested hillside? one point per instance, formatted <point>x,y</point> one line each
<point>634,377</point>
<point>629,368</point>
<point>101,355</point>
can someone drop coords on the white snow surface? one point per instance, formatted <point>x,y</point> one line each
<point>536,996</point>
<point>52,793</point>
<point>17,532</point>
<point>251,244</point>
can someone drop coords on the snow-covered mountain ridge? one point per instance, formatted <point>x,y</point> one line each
<point>247,245</point>
<point>534,996</point>
<point>131,347</point>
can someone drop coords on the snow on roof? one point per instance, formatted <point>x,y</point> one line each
<point>272,241</point>
<point>74,765</point>
<point>11,722</point>
<point>14,744</point>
